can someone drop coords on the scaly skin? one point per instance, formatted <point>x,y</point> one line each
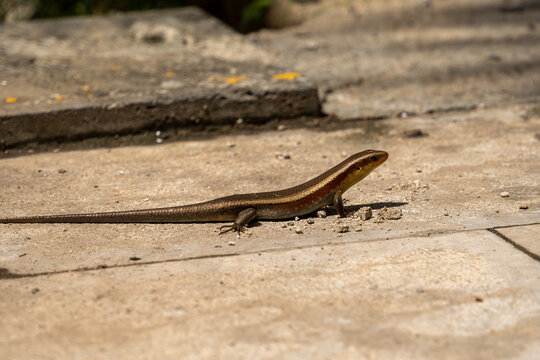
<point>299,200</point>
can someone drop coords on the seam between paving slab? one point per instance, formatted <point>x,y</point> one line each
<point>6,274</point>
<point>513,243</point>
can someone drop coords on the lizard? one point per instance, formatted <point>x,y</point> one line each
<point>299,200</point>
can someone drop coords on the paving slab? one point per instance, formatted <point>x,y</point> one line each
<point>78,77</point>
<point>449,180</point>
<point>375,59</point>
<point>526,238</point>
<point>467,295</point>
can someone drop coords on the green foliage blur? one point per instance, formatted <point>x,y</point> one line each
<point>243,15</point>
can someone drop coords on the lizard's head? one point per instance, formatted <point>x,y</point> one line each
<point>360,165</point>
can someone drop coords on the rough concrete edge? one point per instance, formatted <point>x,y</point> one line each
<point>135,116</point>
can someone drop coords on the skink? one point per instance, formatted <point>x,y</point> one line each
<point>299,200</point>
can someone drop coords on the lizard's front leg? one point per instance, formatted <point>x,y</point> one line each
<point>338,203</point>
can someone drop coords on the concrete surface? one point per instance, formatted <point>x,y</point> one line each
<point>455,276</point>
<point>400,56</point>
<point>450,180</point>
<point>468,296</point>
<point>78,77</point>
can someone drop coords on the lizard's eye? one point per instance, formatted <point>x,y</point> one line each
<point>373,158</point>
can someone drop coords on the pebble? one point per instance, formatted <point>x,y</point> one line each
<point>135,258</point>
<point>390,214</point>
<point>523,206</point>
<point>446,213</point>
<point>342,229</point>
<point>505,194</point>
<point>298,230</point>
<point>62,171</point>
<point>310,221</point>
<point>321,213</point>
<point>412,133</point>
<point>281,127</point>
<point>283,156</point>
<point>297,219</point>
<point>290,223</point>
<point>364,213</point>
<point>231,243</point>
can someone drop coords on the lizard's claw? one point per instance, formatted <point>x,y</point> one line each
<point>234,227</point>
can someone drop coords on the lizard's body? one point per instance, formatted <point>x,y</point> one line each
<point>273,205</point>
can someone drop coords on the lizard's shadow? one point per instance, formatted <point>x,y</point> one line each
<point>330,210</point>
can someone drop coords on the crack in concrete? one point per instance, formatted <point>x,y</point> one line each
<point>5,274</point>
<point>513,243</point>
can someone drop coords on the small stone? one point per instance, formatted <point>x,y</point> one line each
<point>358,228</point>
<point>231,145</point>
<point>321,214</point>
<point>342,229</point>
<point>281,127</point>
<point>297,219</point>
<point>283,226</point>
<point>505,194</point>
<point>446,213</point>
<point>159,140</point>
<point>310,221</point>
<point>34,291</point>
<point>290,223</point>
<point>135,257</point>
<point>418,170</point>
<point>239,121</point>
<point>298,230</point>
<point>365,213</point>
<point>390,213</point>
<point>283,156</point>
<point>420,290</point>
<point>62,171</point>
<point>231,243</point>
<point>412,133</point>
<point>523,206</point>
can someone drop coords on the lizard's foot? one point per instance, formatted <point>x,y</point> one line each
<point>234,227</point>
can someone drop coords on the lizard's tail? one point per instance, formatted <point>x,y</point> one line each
<point>163,215</point>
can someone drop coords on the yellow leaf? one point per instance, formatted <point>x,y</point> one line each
<point>10,100</point>
<point>234,80</point>
<point>230,80</point>
<point>116,67</point>
<point>287,76</point>
<point>170,74</point>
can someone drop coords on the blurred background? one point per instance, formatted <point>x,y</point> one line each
<point>242,15</point>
